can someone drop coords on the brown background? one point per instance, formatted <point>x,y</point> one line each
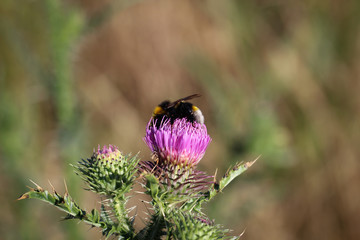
<point>278,79</point>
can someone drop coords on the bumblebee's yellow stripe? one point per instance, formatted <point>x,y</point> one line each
<point>194,108</point>
<point>158,110</point>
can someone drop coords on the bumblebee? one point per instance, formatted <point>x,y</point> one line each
<point>177,110</point>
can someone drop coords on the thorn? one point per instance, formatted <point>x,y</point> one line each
<point>37,186</point>
<point>215,175</point>
<point>66,189</point>
<point>245,228</point>
<point>249,164</point>
<point>31,188</point>
<point>139,192</point>
<point>53,189</point>
<point>23,196</point>
<point>131,209</point>
<point>147,209</point>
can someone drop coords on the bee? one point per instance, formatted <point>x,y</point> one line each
<point>177,110</point>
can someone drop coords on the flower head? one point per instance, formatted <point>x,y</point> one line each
<point>107,154</point>
<point>108,171</point>
<point>178,143</point>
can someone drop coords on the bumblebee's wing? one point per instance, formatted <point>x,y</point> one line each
<point>183,99</point>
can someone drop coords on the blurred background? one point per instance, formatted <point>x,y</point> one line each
<point>278,79</point>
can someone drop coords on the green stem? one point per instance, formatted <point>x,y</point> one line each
<point>125,226</point>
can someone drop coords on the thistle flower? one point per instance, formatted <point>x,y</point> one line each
<point>181,143</point>
<point>107,154</point>
<point>177,189</point>
<point>178,146</point>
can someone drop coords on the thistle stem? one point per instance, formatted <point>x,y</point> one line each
<point>125,226</point>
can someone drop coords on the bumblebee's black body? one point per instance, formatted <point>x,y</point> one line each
<point>177,110</point>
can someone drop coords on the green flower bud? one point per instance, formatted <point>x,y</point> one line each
<point>108,171</point>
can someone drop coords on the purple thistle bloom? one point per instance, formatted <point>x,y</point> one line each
<point>107,153</point>
<point>180,143</point>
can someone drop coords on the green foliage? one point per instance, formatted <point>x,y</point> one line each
<point>230,175</point>
<point>179,216</point>
<point>195,203</point>
<point>112,177</point>
<point>108,172</point>
<point>168,185</point>
<point>65,203</point>
<point>187,226</point>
